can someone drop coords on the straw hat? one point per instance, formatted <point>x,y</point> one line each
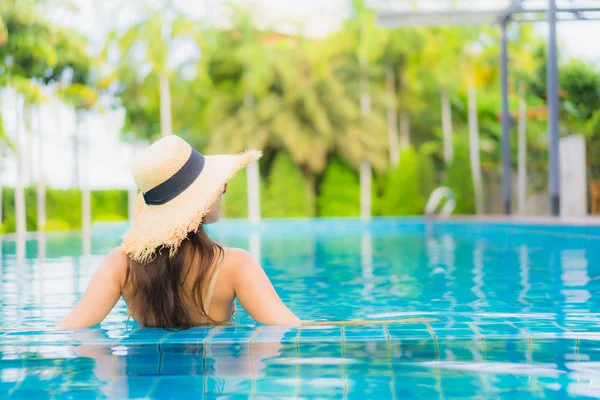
<point>178,186</point>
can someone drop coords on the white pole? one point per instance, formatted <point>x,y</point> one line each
<point>474,147</point>
<point>522,161</point>
<point>447,127</point>
<point>86,203</point>
<point>365,191</point>
<point>166,127</point>
<point>404,129</point>
<point>19,188</point>
<point>1,180</point>
<point>392,120</point>
<point>133,190</point>
<point>41,181</point>
<point>365,166</point>
<point>253,182</point>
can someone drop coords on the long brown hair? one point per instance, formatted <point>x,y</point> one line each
<point>159,297</point>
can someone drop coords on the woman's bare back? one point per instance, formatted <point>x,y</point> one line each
<point>237,276</point>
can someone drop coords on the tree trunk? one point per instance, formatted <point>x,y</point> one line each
<point>41,181</point>
<point>447,127</point>
<point>252,178</point>
<point>19,187</point>
<point>522,162</point>
<point>166,126</point>
<point>86,204</point>
<point>392,119</point>
<point>29,136</point>
<point>365,190</point>
<point>132,193</point>
<point>404,129</point>
<point>474,147</point>
<point>1,182</point>
<point>365,166</point>
<point>76,154</point>
<point>253,187</point>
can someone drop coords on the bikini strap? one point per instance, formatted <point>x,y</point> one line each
<point>211,288</point>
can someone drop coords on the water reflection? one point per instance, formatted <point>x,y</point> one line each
<point>468,281</point>
<point>367,265</point>
<point>478,274</point>
<point>348,271</point>
<point>287,362</point>
<point>524,274</point>
<point>254,245</point>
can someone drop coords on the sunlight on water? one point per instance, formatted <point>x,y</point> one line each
<point>506,308</point>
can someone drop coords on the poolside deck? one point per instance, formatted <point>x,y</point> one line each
<point>590,220</point>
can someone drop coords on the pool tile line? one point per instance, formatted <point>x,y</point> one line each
<point>474,329</point>
<point>529,340</point>
<point>204,344</point>
<point>521,330</point>
<point>561,327</point>
<point>297,388</point>
<point>392,375</point>
<point>253,384</point>
<point>160,353</point>
<point>438,383</point>
<point>24,367</point>
<point>116,343</point>
<point>435,341</point>
<point>344,378</point>
<point>152,388</point>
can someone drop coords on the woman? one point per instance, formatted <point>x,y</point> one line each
<point>170,273</point>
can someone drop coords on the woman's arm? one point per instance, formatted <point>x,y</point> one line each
<point>101,295</point>
<point>256,293</point>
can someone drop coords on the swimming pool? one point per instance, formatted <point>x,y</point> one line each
<point>505,310</point>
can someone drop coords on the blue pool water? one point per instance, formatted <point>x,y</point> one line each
<point>506,311</point>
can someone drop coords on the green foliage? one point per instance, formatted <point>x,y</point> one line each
<point>427,173</point>
<point>303,102</point>
<point>8,210</point>
<point>458,178</point>
<point>235,201</point>
<point>340,191</point>
<point>581,84</point>
<point>403,191</point>
<point>593,144</point>
<point>37,48</point>
<point>109,205</point>
<point>288,193</point>
<point>63,207</point>
<point>65,204</point>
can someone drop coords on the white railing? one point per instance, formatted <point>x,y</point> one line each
<point>435,199</point>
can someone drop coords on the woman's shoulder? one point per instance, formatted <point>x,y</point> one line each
<point>237,259</point>
<point>115,263</point>
<point>235,254</point>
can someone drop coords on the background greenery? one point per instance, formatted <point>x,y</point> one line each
<point>317,108</point>
<point>64,207</point>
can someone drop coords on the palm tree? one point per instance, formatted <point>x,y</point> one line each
<point>83,98</point>
<point>234,104</point>
<point>481,71</point>
<point>2,144</point>
<point>364,44</point>
<point>153,38</point>
<point>27,53</point>
<point>31,93</point>
<point>404,76</point>
<point>442,48</point>
<point>524,65</point>
<point>36,53</point>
